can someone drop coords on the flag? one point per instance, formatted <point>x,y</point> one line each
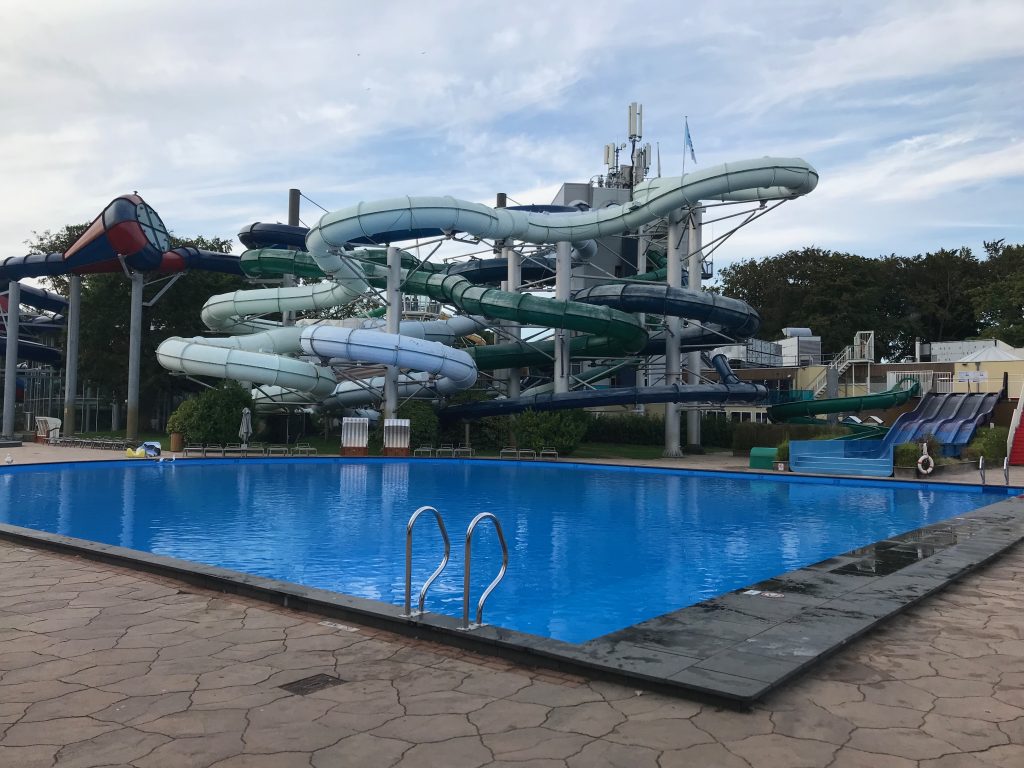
<point>687,141</point>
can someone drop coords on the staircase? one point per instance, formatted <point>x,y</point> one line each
<point>839,363</point>
<point>1015,442</point>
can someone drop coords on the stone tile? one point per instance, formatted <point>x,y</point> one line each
<point>867,714</point>
<point>532,743</point>
<point>952,687</point>
<point>778,750</point>
<point>466,752</point>
<point>279,760</point>
<point>109,674</point>
<point>493,683</point>
<point>28,757</point>
<point>124,745</point>
<point>900,742</point>
<point>591,719</point>
<point>60,730</point>
<point>428,680</point>
<point>979,707</point>
<point>420,729</point>
<point>32,692</point>
<point>854,758</point>
<point>702,755</point>
<point>1009,756</point>
<point>809,721</point>
<point>503,715</point>
<point>603,755</point>
<point>895,693</point>
<point>363,750</point>
<point>136,710</point>
<point>967,734</point>
<point>197,752</point>
<point>293,736</point>
<point>659,734</point>
<point>453,702</point>
<point>152,683</point>
<point>76,704</point>
<point>197,723</point>
<point>551,695</point>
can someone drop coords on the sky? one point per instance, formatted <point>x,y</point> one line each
<point>910,111</point>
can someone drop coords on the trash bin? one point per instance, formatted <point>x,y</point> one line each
<point>762,458</point>
<point>177,442</point>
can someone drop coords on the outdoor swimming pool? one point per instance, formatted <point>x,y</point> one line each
<point>592,548</point>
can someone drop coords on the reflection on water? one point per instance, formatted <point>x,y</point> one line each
<point>592,549</point>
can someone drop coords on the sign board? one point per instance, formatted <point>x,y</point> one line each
<point>972,376</point>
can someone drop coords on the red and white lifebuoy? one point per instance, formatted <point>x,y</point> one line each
<point>925,464</point>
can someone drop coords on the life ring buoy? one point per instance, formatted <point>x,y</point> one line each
<point>925,464</point>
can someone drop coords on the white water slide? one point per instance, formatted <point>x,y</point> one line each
<point>264,353</point>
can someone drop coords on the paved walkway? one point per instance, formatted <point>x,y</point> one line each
<point>100,666</point>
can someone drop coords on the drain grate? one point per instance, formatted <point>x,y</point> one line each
<point>311,684</point>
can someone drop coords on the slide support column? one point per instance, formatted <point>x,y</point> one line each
<point>71,367</point>
<point>694,244</point>
<point>394,317</point>
<point>673,357</point>
<point>11,360</point>
<point>515,279</point>
<point>563,280</point>
<point>134,357</point>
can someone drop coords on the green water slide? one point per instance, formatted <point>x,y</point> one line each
<point>610,333</point>
<point>803,409</point>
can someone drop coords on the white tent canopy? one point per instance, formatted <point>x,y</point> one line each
<point>989,355</point>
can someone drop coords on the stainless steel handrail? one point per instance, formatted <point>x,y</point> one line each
<point>493,584</point>
<point>1006,469</point>
<point>408,560</point>
<point>981,468</point>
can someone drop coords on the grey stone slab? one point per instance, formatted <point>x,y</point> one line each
<point>767,669</point>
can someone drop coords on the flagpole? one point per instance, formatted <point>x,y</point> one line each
<point>685,118</point>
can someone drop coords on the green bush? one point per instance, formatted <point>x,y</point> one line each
<point>782,451</point>
<point>907,454</point>
<point>629,429</point>
<point>749,434</point>
<point>990,443</point>
<point>563,430</point>
<point>212,416</point>
<point>636,429</point>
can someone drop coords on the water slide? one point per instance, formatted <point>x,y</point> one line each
<point>40,299</point>
<point>607,330</point>
<point>798,409</point>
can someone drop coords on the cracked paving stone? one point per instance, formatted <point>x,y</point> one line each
<point>137,710</point>
<point>901,742</point>
<point>812,722</point>
<point>62,730</point>
<point>190,723</point>
<point>781,751</point>
<point>279,760</point>
<point>426,728</point>
<point>121,746</point>
<point>363,750</point>
<point>726,725</point>
<point>854,758</point>
<point>77,704</point>
<point>967,734</point>
<point>465,752</point>
<point>451,702</point>
<point>292,737</point>
<point>530,743</point>
<point>659,734</point>
<point>979,707</point>
<point>595,719</point>
<point>603,755</point>
<point>866,714</point>
<point>28,757</point>
<point>503,715</point>
<point>700,756</point>
<point>195,752</point>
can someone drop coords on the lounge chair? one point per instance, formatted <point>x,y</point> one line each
<point>277,450</point>
<point>445,449</point>
<point>547,452</point>
<point>463,451</point>
<point>234,449</point>
<point>194,449</point>
<point>527,453</point>
<point>424,450</point>
<point>303,449</point>
<point>508,453</point>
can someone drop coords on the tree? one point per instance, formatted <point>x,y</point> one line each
<point>999,298</point>
<point>106,308</point>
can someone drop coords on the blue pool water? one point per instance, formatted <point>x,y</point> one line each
<point>592,549</point>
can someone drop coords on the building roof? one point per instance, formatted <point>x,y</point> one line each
<point>988,355</point>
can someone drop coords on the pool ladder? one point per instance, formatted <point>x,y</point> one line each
<point>444,561</point>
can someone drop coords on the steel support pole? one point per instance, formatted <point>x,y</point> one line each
<point>288,281</point>
<point>563,282</point>
<point>515,279</point>
<point>74,321</point>
<point>394,317</point>
<point>134,357</point>
<point>694,242</point>
<point>673,357</point>
<point>11,359</point>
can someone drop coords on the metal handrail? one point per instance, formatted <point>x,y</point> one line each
<point>1006,469</point>
<point>493,584</point>
<point>981,468</point>
<point>408,560</point>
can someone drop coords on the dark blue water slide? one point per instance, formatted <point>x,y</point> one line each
<point>730,390</point>
<point>952,418</point>
<point>30,350</point>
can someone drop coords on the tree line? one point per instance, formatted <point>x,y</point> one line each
<point>943,296</point>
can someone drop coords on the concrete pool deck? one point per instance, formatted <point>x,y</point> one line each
<point>939,684</point>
